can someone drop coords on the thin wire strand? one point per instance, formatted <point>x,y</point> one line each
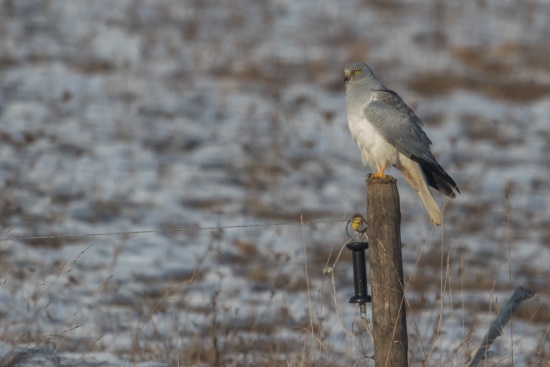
<point>171,230</point>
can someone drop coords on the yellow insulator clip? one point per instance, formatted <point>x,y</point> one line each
<point>358,224</point>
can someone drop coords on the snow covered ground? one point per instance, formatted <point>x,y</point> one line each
<point>155,115</point>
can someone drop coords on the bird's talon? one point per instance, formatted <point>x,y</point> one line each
<point>378,175</point>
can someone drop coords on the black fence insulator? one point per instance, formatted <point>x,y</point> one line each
<point>359,275</point>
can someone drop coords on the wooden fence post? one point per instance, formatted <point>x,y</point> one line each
<point>386,269</point>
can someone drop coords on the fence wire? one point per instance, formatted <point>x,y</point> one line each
<point>169,230</point>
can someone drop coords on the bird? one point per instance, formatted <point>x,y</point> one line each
<point>388,132</point>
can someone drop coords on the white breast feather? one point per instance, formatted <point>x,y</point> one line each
<point>375,151</point>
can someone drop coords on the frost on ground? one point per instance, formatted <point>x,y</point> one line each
<point>159,115</point>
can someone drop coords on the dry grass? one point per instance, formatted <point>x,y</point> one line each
<point>259,322</point>
<point>491,72</point>
<point>270,333</point>
<point>519,91</point>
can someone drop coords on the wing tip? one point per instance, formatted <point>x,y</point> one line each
<point>440,180</point>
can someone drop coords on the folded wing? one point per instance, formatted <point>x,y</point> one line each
<point>398,124</point>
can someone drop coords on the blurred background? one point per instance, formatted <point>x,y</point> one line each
<point>229,115</point>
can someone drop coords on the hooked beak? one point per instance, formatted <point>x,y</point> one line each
<point>347,76</point>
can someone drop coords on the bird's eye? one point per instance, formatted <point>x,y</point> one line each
<point>356,71</point>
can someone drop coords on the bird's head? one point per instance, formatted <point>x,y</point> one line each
<point>358,71</point>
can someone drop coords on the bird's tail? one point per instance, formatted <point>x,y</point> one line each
<point>413,174</point>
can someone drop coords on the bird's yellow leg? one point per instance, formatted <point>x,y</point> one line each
<point>380,173</point>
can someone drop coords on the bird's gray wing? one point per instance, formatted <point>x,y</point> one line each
<point>399,125</point>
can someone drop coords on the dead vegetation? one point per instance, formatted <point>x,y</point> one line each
<point>199,316</point>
